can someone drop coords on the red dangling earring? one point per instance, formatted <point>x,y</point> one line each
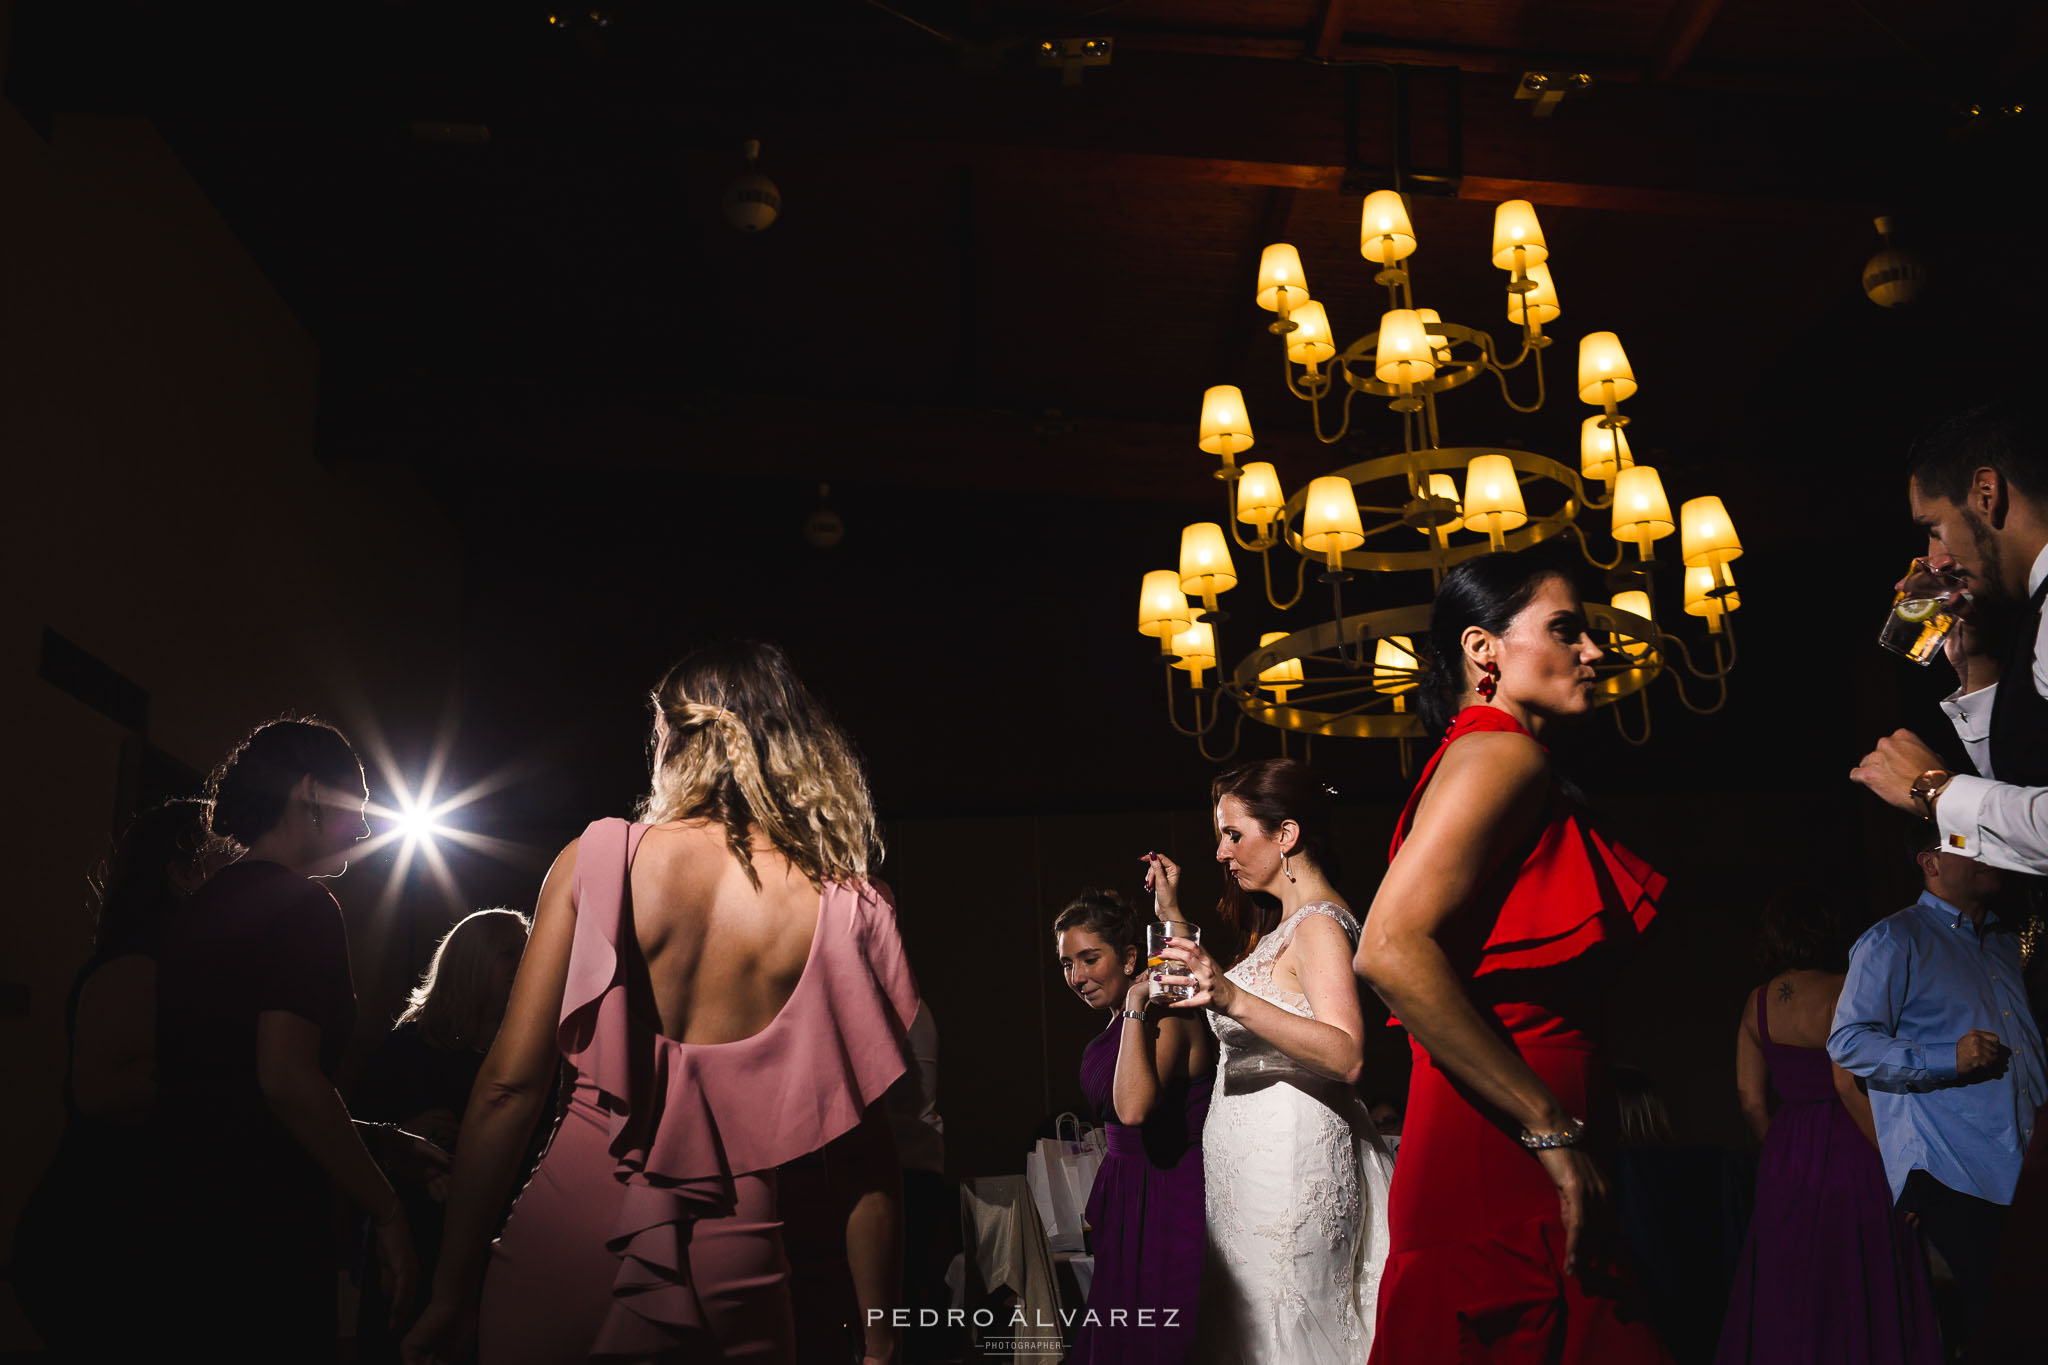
<point>1489,680</point>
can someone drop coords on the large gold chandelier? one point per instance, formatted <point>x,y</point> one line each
<point>1425,509</point>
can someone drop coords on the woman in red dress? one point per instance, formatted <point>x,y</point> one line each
<point>1499,913</point>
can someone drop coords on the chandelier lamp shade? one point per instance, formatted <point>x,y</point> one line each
<point>1642,514</point>
<point>1539,302</point>
<point>1350,675</point>
<point>1282,286</point>
<point>1604,374</point>
<point>1493,498</point>
<point>1258,495</point>
<point>1711,593</point>
<point>1226,430</point>
<point>1194,649</point>
<point>1330,522</point>
<point>1603,450</point>
<point>1282,677</point>
<point>1384,235</point>
<point>1636,603</point>
<point>1518,238</point>
<point>1309,343</point>
<point>1163,608</point>
<point>1395,668</point>
<point>1205,567</point>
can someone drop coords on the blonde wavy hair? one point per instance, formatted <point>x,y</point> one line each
<point>739,739</point>
<point>452,1004</point>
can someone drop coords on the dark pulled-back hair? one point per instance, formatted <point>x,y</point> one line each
<point>1946,454</point>
<point>133,893</point>
<point>1274,791</point>
<point>1488,592</point>
<point>250,788</point>
<point>1803,929</point>
<point>1105,914</point>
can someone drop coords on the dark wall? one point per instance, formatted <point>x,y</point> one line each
<point>178,565</point>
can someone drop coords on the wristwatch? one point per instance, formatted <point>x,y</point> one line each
<point>1928,787</point>
<point>1571,1135</point>
<point>1138,1015</point>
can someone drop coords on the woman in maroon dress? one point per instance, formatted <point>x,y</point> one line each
<point>1498,913</point>
<point>1147,1076</point>
<point>1830,1273</point>
<point>254,1006</point>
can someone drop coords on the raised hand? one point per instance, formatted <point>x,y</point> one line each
<point>1971,651</point>
<point>1213,990</point>
<point>1162,879</point>
<point>1889,769</point>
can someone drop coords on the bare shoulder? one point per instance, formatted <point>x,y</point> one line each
<point>696,857</point>
<point>1491,755</point>
<point>1488,772</point>
<point>561,877</point>
<point>1318,932</point>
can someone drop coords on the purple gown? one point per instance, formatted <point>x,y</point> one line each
<point>1146,1213</point>
<point>1830,1274</point>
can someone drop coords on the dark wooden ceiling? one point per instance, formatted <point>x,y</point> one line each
<point>968,244</point>
<point>987,279</point>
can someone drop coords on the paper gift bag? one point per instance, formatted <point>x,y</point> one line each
<point>1061,1173</point>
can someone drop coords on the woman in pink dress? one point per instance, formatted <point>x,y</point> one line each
<point>728,984</point>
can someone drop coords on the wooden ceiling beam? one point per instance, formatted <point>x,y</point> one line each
<point>1329,31</point>
<point>1107,164</point>
<point>1605,69</point>
<point>1685,23</point>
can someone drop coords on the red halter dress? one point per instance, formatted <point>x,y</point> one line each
<point>1476,1267</point>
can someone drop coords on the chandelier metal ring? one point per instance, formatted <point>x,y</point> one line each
<point>1450,373</point>
<point>1443,460</point>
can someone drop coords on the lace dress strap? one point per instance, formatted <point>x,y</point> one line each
<point>1255,973</point>
<point>1345,919</point>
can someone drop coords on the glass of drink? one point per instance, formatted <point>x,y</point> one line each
<point>1923,612</point>
<point>1170,979</point>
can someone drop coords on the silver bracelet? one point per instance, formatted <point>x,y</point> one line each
<point>1138,1015</point>
<point>1571,1135</point>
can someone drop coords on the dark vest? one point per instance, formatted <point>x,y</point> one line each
<point>2019,713</point>
<point>2019,755</point>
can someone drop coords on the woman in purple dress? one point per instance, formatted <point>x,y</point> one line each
<point>1147,1076</point>
<point>1830,1274</point>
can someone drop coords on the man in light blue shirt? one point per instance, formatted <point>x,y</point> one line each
<point>1934,1018</point>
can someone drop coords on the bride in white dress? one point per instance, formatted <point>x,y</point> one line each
<point>1296,1176</point>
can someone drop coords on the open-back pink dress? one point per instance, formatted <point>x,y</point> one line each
<point>649,1230</point>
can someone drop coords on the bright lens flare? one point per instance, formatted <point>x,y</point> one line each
<point>415,823</point>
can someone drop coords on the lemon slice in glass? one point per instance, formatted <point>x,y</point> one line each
<point>1918,608</point>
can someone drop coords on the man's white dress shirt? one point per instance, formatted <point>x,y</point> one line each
<point>2004,825</point>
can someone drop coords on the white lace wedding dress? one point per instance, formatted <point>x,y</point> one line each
<point>1295,1179</point>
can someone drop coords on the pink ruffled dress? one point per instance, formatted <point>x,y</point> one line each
<point>650,1229</point>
